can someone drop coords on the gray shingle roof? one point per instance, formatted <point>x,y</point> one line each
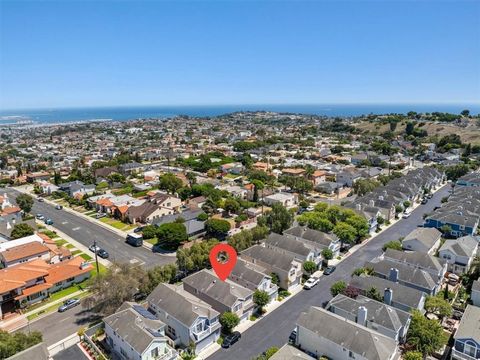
<point>291,245</point>
<point>359,339</point>
<point>377,312</point>
<point>268,256</point>
<point>289,352</point>
<point>226,292</point>
<point>180,304</point>
<point>427,237</point>
<point>311,235</point>
<point>464,246</point>
<point>247,274</point>
<point>135,329</point>
<point>401,294</point>
<point>469,326</point>
<point>415,258</point>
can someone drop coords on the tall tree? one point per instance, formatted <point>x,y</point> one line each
<point>279,219</point>
<point>425,335</point>
<point>21,230</point>
<point>25,202</point>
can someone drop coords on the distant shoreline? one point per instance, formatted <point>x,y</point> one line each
<point>94,114</point>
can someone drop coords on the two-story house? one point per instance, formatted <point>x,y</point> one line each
<point>341,339</point>
<point>425,240</point>
<point>188,319</point>
<point>459,253</point>
<point>286,266</point>
<point>287,245</point>
<point>316,238</point>
<point>223,296</point>
<point>467,337</point>
<point>132,333</point>
<point>373,314</point>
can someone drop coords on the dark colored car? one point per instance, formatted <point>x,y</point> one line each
<point>329,270</point>
<point>103,254</point>
<point>68,304</point>
<point>293,336</point>
<point>41,199</point>
<point>429,196</point>
<point>231,339</point>
<point>49,221</point>
<point>424,201</point>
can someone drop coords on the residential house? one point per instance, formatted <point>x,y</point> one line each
<point>9,220</point>
<point>342,339</point>
<point>405,275</point>
<point>77,188</point>
<point>294,172</point>
<point>287,245</point>
<point>194,226</point>
<point>459,253</point>
<point>467,337</point>
<point>372,314</point>
<point>348,176</point>
<point>33,281</point>
<point>319,238</point>
<point>132,333</point>
<point>399,296</point>
<point>289,352</point>
<point>129,168</point>
<point>286,266</point>
<point>475,295</point>
<point>253,277</point>
<point>188,319</point>
<point>429,263</point>
<point>37,352</point>
<point>423,240</point>
<point>319,177</point>
<point>221,295</point>
<point>37,176</point>
<point>472,179</point>
<point>23,253</point>
<point>288,200</point>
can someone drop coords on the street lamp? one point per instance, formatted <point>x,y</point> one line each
<point>96,256</point>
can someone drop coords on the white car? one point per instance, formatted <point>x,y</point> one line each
<point>310,283</point>
<point>94,248</point>
<point>406,215</point>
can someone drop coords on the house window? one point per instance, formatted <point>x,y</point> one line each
<point>351,355</point>
<point>154,352</point>
<point>171,331</point>
<point>70,279</point>
<point>470,349</point>
<point>237,307</point>
<point>199,327</point>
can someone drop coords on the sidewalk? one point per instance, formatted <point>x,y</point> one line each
<point>50,304</point>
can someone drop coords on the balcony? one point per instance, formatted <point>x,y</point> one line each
<point>198,336</point>
<point>169,354</point>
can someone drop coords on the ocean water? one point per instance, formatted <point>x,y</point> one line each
<point>66,115</point>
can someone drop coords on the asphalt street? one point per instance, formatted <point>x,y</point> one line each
<point>85,232</point>
<point>275,327</point>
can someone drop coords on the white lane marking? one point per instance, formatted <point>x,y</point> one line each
<point>76,228</point>
<point>64,222</point>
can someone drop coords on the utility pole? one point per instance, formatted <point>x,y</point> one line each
<point>96,256</point>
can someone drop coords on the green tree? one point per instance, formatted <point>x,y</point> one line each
<point>374,294</point>
<point>24,202</point>
<point>413,355</point>
<point>327,254</point>
<point>338,288</point>
<point>275,278</point>
<point>149,231</point>
<point>394,244</point>
<point>170,183</point>
<point>438,306</point>
<point>57,180</point>
<point>228,320</point>
<point>406,204</point>
<point>309,267</point>
<point>232,206</point>
<point>279,219</point>
<point>360,224</point>
<point>21,230</point>
<point>12,343</point>
<point>364,186</point>
<point>261,299</point>
<point>171,235</point>
<point>159,274</point>
<point>345,232</point>
<point>196,257</point>
<point>217,228</point>
<point>424,335</point>
<point>446,229</point>
<point>409,128</point>
<point>112,288</point>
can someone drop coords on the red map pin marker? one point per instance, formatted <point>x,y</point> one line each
<point>223,268</point>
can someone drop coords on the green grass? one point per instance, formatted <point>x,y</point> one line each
<point>50,234</point>
<point>61,242</point>
<point>76,252</point>
<point>102,268</point>
<point>152,241</point>
<point>70,246</point>
<point>60,294</point>
<point>54,307</point>
<point>86,257</point>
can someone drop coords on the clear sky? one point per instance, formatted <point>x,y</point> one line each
<point>62,54</point>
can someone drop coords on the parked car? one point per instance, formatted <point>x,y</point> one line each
<point>94,248</point>
<point>406,214</point>
<point>58,207</point>
<point>310,283</point>
<point>68,304</point>
<point>429,196</point>
<point>100,215</point>
<point>135,239</point>
<point>49,221</point>
<point>41,199</point>
<point>40,217</point>
<point>231,339</point>
<point>103,253</point>
<point>293,336</point>
<point>329,270</point>
<point>424,201</point>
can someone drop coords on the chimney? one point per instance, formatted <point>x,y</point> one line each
<point>387,296</point>
<point>371,203</point>
<point>393,276</point>
<point>362,315</point>
<point>358,206</point>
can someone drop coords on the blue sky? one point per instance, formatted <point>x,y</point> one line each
<point>62,54</point>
